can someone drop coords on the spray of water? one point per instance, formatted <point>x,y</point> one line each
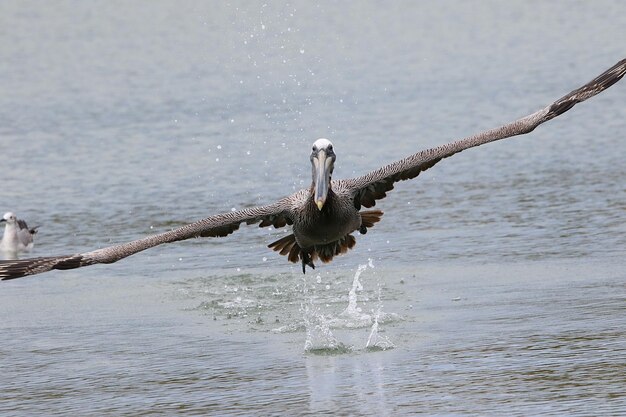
<point>353,316</point>
<point>320,338</point>
<point>376,341</point>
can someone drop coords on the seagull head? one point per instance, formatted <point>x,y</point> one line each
<point>323,161</point>
<point>9,218</point>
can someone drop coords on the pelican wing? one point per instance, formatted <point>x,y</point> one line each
<point>278,214</point>
<point>374,185</point>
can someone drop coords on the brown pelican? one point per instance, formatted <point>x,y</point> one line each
<point>17,237</point>
<point>323,216</point>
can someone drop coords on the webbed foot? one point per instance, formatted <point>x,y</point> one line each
<point>306,261</point>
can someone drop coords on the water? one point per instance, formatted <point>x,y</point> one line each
<point>498,285</point>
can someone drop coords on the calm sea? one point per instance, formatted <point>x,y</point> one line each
<point>495,284</point>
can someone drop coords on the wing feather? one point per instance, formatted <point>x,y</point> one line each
<point>374,185</point>
<point>278,214</point>
<point>24,233</point>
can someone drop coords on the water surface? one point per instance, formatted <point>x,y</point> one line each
<point>498,276</point>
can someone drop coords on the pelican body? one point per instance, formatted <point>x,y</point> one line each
<point>325,215</point>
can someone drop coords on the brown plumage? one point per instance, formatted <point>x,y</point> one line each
<point>288,245</point>
<point>324,216</point>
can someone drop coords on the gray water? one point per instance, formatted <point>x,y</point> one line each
<point>496,280</point>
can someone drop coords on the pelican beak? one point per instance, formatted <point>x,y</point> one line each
<point>323,167</point>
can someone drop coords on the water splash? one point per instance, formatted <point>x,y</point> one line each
<point>320,327</point>
<point>319,337</point>
<point>376,341</point>
<point>353,316</point>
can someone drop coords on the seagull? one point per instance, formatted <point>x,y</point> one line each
<point>323,216</point>
<point>17,237</point>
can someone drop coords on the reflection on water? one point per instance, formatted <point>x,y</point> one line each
<point>535,338</point>
<point>499,278</point>
<point>362,384</point>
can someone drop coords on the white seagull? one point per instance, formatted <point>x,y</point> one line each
<point>17,237</point>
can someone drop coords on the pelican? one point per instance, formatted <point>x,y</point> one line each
<point>17,237</point>
<point>323,216</point>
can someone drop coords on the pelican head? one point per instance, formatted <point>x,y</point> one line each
<point>323,161</point>
<point>8,217</point>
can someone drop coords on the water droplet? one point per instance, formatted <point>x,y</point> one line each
<point>264,259</point>
<point>301,51</point>
<point>219,146</point>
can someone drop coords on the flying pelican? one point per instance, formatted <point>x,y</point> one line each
<point>323,216</point>
<point>17,236</point>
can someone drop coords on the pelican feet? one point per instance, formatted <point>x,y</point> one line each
<point>306,260</point>
<point>368,219</point>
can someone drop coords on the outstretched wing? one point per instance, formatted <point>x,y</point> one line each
<point>24,233</point>
<point>278,214</point>
<point>21,225</point>
<point>374,185</point>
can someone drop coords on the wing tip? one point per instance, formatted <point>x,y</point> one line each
<point>20,268</point>
<point>593,87</point>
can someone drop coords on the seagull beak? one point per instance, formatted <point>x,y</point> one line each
<point>3,220</point>
<point>323,167</point>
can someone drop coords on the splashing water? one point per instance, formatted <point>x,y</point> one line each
<point>376,341</point>
<point>319,335</point>
<point>353,316</point>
